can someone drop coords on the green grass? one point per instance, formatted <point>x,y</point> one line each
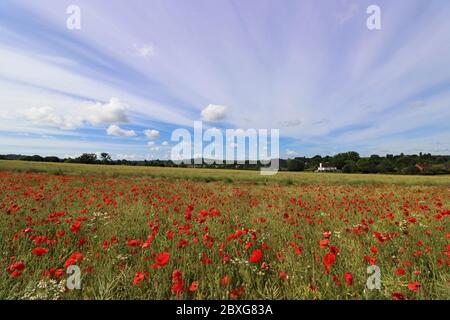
<point>208,175</point>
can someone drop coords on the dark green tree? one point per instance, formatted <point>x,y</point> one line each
<point>87,158</point>
<point>105,157</point>
<point>295,165</point>
<point>350,167</point>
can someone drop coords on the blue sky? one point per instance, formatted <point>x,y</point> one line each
<point>309,68</point>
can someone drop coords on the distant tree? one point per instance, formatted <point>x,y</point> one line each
<point>366,166</point>
<point>348,162</point>
<point>440,159</point>
<point>105,157</point>
<point>313,163</point>
<point>87,158</point>
<point>350,167</point>
<point>52,159</point>
<point>403,161</point>
<point>295,165</point>
<point>385,166</point>
<point>33,158</point>
<point>339,160</point>
<point>353,155</point>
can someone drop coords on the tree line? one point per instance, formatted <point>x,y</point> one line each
<point>347,162</point>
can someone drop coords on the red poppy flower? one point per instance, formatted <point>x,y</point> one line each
<point>328,260</point>
<point>337,280</point>
<point>39,251</point>
<point>59,273</point>
<point>283,275</point>
<point>76,227</point>
<point>398,296</point>
<point>161,260</point>
<point>16,274</point>
<point>170,234</point>
<point>234,293</point>
<point>323,243</point>
<point>256,256</point>
<point>133,242</point>
<point>138,278</point>
<point>194,286</point>
<point>148,242</point>
<point>177,282</point>
<point>400,271</point>
<point>414,286</point>
<point>114,240</point>
<point>348,278</point>
<point>182,243</point>
<point>371,260</point>
<point>73,259</point>
<point>225,280</point>
<point>16,266</point>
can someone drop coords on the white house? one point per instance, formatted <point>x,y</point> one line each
<point>325,168</point>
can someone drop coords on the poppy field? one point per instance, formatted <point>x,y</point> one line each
<point>160,237</point>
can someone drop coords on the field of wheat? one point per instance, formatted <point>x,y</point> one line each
<point>168,233</point>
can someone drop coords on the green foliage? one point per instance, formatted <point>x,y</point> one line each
<point>105,157</point>
<point>350,167</point>
<point>295,165</point>
<point>87,158</point>
<point>341,159</point>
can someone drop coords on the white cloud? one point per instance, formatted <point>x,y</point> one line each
<point>115,130</point>
<point>291,153</point>
<point>213,112</point>
<point>112,112</point>
<point>151,134</point>
<point>47,116</point>
<point>151,143</point>
<point>145,50</point>
<point>35,79</point>
<point>127,156</point>
<point>43,114</point>
<point>165,143</point>
<point>94,114</point>
<point>7,115</point>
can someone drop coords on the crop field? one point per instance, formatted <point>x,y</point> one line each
<point>169,233</point>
